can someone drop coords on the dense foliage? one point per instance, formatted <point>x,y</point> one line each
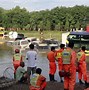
<point>59,18</point>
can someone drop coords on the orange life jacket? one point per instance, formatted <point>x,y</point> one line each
<point>51,56</point>
<point>37,80</point>
<point>79,55</point>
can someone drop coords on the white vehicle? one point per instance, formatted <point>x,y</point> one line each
<point>13,35</point>
<point>21,44</point>
<point>33,40</point>
<point>10,43</point>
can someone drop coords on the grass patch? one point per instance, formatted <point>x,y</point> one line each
<point>46,34</point>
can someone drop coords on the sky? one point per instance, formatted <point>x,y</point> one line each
<point>37,5</point>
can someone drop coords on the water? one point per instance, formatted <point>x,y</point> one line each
<point>6,56</point>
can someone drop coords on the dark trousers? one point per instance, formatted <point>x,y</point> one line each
<point>23,79</point>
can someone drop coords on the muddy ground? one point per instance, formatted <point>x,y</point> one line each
<point>50,86</point>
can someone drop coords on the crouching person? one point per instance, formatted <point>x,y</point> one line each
<point>38,82</point>
<point>21,74</point>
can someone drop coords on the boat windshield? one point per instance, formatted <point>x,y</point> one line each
<point>79,40</point>
<point>78,37</point>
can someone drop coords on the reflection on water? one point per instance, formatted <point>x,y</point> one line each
<point>5,58</point>
<point>5,50</point>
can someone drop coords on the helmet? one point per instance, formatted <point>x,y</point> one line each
<point>16,50</point>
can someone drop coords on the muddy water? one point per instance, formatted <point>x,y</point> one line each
<point>6,54</point>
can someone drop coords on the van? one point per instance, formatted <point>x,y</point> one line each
<point>10,43</point>
<point>21,44</point>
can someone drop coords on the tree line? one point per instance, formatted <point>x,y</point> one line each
<point>58,18</point>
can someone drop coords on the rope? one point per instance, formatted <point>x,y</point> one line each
<point>6,71</point>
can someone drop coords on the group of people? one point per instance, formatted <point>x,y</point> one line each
<point>69,62</point>
<point>33,75</point>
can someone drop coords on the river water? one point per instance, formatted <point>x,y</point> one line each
<point>6,54</point>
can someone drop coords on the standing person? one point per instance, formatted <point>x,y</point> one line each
<point>17,58</point>
<point>21,74</point>
<point>59,59</point>
<point>82,65</point>
<point>69,67</point>
<point>38,81</point>
<point>52,63</point>
<point>31,56</point>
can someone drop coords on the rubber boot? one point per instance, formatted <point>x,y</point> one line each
<point>80,82</point>
<point>50,77</point>
<point>53,78</point>
<point>86,84</point>
<point>61,80</point>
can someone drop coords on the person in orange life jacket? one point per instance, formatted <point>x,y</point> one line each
<point>21,73</point>
<point>52,63</point>
<point>69,66</point>
<point>59,59</point>
<point>81,57</point>
<point>38,81</point>
<point>17,58</point>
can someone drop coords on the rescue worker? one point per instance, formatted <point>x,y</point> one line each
<point>82,65</point>
<point>17,58</point>
<point>69,67</point>
<point>59,59</point>
<point>38,81</point>
<point>52,63</point>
